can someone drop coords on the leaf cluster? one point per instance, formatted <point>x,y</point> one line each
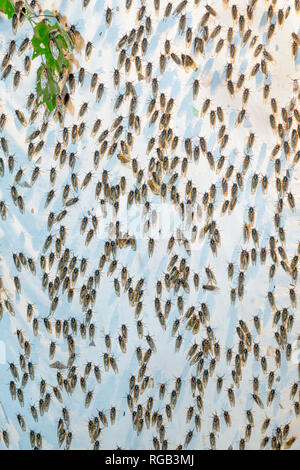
<point>51,42</point>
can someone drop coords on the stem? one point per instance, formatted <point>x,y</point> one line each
<point>31,21</point>
<point>46,16</point>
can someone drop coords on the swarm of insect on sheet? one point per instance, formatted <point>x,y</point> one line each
<point>149,217</point>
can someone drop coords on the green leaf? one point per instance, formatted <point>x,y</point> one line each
<point>7,7</point>
<point>40,40</point>
<point>47,91</point>
<point>62,61</point>
<point>40,71</point>
<point>36,54</point>
<point>66,37</point>
<point>61,43</point>
<point>48,55</point>
<point>41,31</point>
<point>37,49</point>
